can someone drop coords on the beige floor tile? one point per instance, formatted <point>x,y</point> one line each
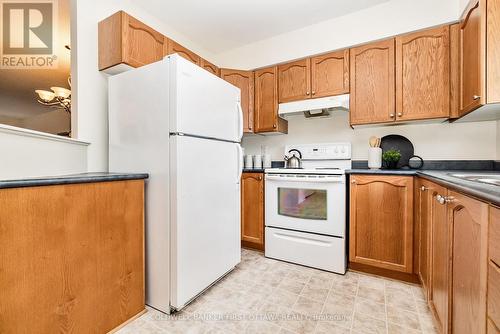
<point>261,327</point>
<point>372,294</point>
<point>371,308</point>
<point>371,282</point>
<point>328,327</point>
<point>345,287</point>
<point>314,292</point>
<point>345,301</point>
<point>403,318</point>
<point>291,285</point>
<point>364,324</point>
<point>340,315</point>
<point>298,323</point>
<point>283,298</point>
<point>396,329</point>
<point>308,306</point>
<point>400,299</point>
<point>299,275</point>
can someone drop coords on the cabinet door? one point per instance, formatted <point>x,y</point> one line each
<point>244,80</point>
<point>423,75</point>
<point>266,99</point>
<point>252,210</point>
<point>440,260</point>
<point>471,55</point>
<point>174,47</point>
<point>469,221</point>
<point>294,80</point>
<point>372,90</point>
<point>423,202</point>
<point>330,74</point>
<point>205,64</point>
<point>381,221</point>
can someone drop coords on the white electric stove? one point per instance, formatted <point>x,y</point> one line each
<point>306,208</point>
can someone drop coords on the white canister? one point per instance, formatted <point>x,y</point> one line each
<point>267,161</point>
<point>257,161</point>
<point>374,157</point>
<point>248,161</point>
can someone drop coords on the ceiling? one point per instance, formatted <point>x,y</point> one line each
<point>221,25</point>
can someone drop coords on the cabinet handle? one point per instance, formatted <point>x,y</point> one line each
<point>274,126</point>
<point>314,92</point>
<point>400,114</point>
<point>423,188</point>
<point>476,97</point>
<point>260,178</point>
<point>392,115</point>
<point>307,93</point>
<point>441,200</point>
<point>353,181</point>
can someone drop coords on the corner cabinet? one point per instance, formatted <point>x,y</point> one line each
<point>381,222</point>
<point>372,89</point>
<point>423,75</point>
<point>266,102</point>
<point>244,80</point>
<point>252,210</point>
<point>124,40</point>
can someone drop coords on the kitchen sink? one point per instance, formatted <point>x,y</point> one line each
<point>493,179</point>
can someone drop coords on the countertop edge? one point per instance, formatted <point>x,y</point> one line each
<point>71,179</point>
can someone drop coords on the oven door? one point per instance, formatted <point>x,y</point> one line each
<point>309,203</point>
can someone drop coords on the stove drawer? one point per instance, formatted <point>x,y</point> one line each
<point>308,249</point>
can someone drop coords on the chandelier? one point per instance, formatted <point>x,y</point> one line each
<point>57,97</point>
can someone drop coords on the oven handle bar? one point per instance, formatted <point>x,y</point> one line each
<point>326,179</point>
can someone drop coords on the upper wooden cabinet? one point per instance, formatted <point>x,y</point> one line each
<point>205,64</point>
<point>479,61</point>
<point>381,221</point>
<point>174,47</point>
<point>372,90</point>
<point>423,74</point>
<point>294,80</point>
<point>252,210</point>
<point>125,40</point>
<point>330,74</point>
<point>244,80</point>
<point>469,223</point>
<point>266,102</point>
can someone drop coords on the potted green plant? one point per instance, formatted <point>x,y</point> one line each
<point>391,158</point>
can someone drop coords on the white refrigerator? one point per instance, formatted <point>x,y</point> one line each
<point>182,125</point>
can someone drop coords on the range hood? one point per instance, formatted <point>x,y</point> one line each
<point>321,107</point>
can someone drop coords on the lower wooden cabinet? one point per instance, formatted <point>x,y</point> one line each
<point>72,257</point>
<point>469,223</point>
<point>381,222</point>
<point>494,271</point>
<point>252,210</point>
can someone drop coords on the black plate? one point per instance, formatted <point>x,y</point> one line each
<point>400,143</point>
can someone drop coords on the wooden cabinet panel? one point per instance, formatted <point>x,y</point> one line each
<point>330,74</point>
<point>372,89</point>
<point>124,39</point>
<point>73,255</point>
<point>469,222</point>
<point>252,210</point>
<point>440,263</point>
<point>174,47</point>
<point>423,75</point>
<point>493,50</point>
<point>266,102</point>
<point>381,221</point>
<point>294,80</point>
<point>205,64</point>
<point>492,328</point>
<point>471,54</point>
<point>454,70</point>
<point>244,80</point>
<point>494,293</point>
<point>494,235</point>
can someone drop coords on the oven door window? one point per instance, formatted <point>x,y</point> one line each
<point>302,203</point>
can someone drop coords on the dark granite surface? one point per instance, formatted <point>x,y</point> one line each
<point>248,170</point>
<point>71,178</point>
<point>382,171</point>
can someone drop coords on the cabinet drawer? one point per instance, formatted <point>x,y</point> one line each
<point>494,235</point>
<point>494,293</point>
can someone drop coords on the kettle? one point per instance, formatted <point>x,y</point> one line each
<point>293,161</point>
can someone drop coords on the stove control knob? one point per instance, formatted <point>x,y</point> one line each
<point>336,150</point>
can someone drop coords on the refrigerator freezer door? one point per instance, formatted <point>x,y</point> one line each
<point>203,104</point>
<point>205,214</point>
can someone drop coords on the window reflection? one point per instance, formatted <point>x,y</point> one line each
<point>302,203</point>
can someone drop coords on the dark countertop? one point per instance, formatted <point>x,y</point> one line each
<point>71,178</point>
<point>487,192</point>
<point>257,170</point>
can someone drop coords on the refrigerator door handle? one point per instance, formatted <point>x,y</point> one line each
<point>240,120</point>
<point>240,164</point>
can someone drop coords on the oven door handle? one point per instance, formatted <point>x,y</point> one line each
<point>326,179</point>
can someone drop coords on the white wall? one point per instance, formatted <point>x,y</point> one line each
<point>27,154</point>
<point>90,92</point>
<point>431,141</point>
<point>377,22</point>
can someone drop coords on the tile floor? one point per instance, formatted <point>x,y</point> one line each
<point>267,296</point>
